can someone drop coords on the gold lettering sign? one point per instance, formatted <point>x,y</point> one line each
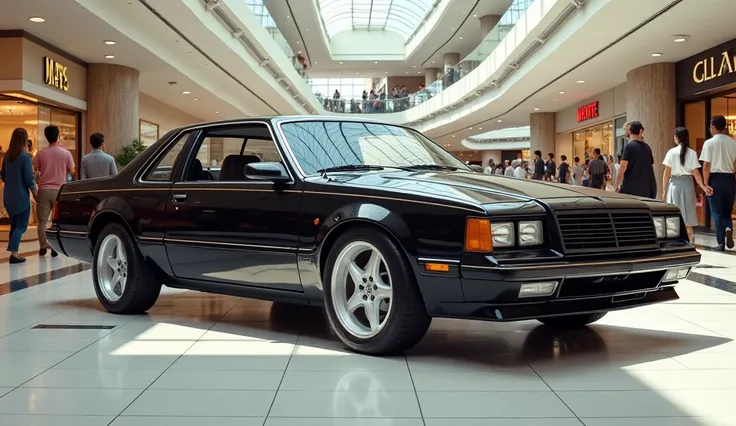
<point>55,74</point>
<point>714,67</point>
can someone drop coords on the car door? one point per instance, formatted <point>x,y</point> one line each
<point>233,230</point>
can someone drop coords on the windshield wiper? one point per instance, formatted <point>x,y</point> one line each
<point>350,167</point>
<point>430,167</point>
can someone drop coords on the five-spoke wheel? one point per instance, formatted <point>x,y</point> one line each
<point>112,268</point>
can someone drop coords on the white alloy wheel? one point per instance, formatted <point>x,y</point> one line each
<point>112,268</point>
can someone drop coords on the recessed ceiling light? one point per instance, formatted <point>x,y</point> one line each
<point>298,42</point>
<point>656,55</point>
<point>109,56</point>
<point>186,92</point>
<point>217,112</point>
<point>536,109</point>
<point>680,38</point>
<point>306,29</point>
<point>432,61</point>
<point>316,63</point>
<point>407,72</point>
<point>36,19</point>
<point>480,128</point>
<point>419,72</point>
<point>195,99</point>
<point>357,73</point>
<point>500,121</point>
<point>581,81</point>
<point>110,42</point>
<point>340,62</point>
<point>453,136</point>
<point>386,72</point>
<point>470,128</point>
<point>475,16</point>
<point>562,93</point>
<point>288,17</point>
<point>461,37</point>
<point>452,29</point>
<point>375,62</point>
<point>413,66</point>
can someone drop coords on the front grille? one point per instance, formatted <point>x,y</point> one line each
<point>606,231</point>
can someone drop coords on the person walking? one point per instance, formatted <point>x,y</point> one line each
<point>509,169</point>
<point>680,167</point>
<point>539,167</point>
<point>563,171</point>
<point>17,174</point>
<point>53,163</point>
<point>577,172</point>
<point>636,173</point>
<point>598,169</point>
<point>97,163</point>
<point>718,157</point>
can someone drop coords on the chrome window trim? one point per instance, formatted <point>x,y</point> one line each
<point>138,179</point>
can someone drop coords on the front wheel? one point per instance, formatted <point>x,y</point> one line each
<point>122,282</point>
<point>572,321</point>
<point>371,295</point>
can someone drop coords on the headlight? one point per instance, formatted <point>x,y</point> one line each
<point>502,234</point>
<point>673,227</point>
<point>659,226</point>
<point>530,233</point>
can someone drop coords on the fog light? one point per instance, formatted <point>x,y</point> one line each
<point>544,288</point>
<point>676,274</point>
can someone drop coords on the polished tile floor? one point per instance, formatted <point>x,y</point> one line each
<point>199,359</point>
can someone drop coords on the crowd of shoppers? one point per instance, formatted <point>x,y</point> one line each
<point>41,176</point>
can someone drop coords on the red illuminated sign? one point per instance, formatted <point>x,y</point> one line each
<point>588,111</point>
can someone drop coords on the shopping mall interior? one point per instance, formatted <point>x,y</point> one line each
<point>487,81</point>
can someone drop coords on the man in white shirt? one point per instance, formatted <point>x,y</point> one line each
<point>519,171</point>
<point>489,168</point>
<point>719,162</point>
<point>509,169</point>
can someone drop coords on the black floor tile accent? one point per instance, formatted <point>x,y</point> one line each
<point>74,327</point>
<point>23,283</point>
<point>714,282</point>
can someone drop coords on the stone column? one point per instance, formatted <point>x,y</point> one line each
<point>542,133</point>
<point>112,105</point>
<point>651,99</point>
<point>451,59</point>
<point>487,23</point>
<point>430,75</point>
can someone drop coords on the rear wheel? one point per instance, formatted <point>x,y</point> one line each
<point>122,282</point>
<point>371,295</point>
<point>572,321</point>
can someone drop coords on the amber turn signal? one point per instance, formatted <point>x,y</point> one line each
<point>437,267</point>
<point>478,235</point>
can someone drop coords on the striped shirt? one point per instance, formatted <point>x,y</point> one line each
<point>597,167</point>
<point>97,164</point>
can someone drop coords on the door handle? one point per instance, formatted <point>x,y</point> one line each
<point>179,198</point>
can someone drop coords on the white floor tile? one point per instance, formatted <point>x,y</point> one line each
<point>73,402</point>
<point>276,421</point>
<point>347,381</point>
<point>302,404</point>
<point>204,403</point>
<point>54,420</point>
<point>17,375</point>
<point>659,421</point>
<point>186,421</point>
<point>503,422</point>
<point>24,342</point>
<point>492,404</point>
<point>614,380</point>
<point>94,379</point>
<point>219,380</point>
<point>502,380</point>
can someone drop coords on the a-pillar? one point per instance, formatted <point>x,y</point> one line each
<point>651,100</point>
<point>542,132</point>
<point>451,59</point>
<point>430,75</point>
<point>112,105</point>
<point>487,23</point>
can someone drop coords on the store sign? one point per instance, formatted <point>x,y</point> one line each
<point>588,111</point>
<point>714,67</point>
<point>55,74</point>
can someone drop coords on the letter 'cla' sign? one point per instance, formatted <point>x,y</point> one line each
<point>55,74</point>
<point>588,111</point>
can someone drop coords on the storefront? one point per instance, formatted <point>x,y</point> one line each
<point>706,86</point>
<point>596,122</point>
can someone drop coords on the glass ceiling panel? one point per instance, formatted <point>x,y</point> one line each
<point>398,16</point>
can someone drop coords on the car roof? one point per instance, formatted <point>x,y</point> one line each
<point>283,118</point>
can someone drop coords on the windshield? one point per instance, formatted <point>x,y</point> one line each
<point>321,145</point>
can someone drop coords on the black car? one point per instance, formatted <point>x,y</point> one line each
<point>373,221</point>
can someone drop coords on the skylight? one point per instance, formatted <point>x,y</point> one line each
<point>398,16</point>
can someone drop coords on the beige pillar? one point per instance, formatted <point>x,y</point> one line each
<point>542,132</point>
<point>430,75</point>
<point>112,105</point>
<point>651,99</point>
<point>451,59</point>
<point>487,23</point>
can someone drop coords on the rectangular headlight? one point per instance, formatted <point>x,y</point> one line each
<point>673,227</point>
<point>659,226</point>
<point>530,233</point>
<point>502,234</point>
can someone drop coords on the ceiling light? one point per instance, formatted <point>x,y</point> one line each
<point>581,81</point>
<point>299,51</point>
<point>109,42</point>
<point>196,99</point>
<point>386,72</point>
<point>340,62</point>
<point>536,109</point>
<point>413,66</point>
<point>375,62</point>
<point>562,93</point>
<point>357,73</point>
<point>453,136</point>
<point>500,121</point>
<point>36,19</point>
<point>656,55</point>
<point>186,92</point>
<point>288,17</point>
<point>432,61</point>
<point>419,72</point>
<point>680,38</point>
<point>316,63</point>
<point>452,29</point>
<point>470,128</point>
<point>475,16</point>
<point>298,42</point>
<point>480,128</point>
<point>306,29</point>
<point>109,56</point>
<point>461,37</point>
<point>217,112</point>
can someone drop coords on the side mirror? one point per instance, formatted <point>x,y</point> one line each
<point>275,172</point>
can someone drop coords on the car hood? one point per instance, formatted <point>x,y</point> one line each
<point>488,189</point>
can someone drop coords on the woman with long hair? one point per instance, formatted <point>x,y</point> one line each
<point>681,166</point>
<point>17,173</point>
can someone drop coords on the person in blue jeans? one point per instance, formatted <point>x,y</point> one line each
<point>718,157</point>
<point>17,173</point>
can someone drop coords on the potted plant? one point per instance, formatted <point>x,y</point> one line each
<point>129,152</point>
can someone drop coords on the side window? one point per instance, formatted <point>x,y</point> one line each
<point>223,153</point>
<point>164,167</point>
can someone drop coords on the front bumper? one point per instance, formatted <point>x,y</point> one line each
<point>492,292</point>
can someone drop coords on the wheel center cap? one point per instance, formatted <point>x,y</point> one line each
<point>369,289</point>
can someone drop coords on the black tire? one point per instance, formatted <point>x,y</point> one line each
<point>141,289</point>
<point>408,321</point>
<point>572,321</point>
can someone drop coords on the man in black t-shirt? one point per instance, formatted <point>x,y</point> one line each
<point>550,168</point>
<point>636,173</point>
<point>538,166</point>
<point>564,170</point>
